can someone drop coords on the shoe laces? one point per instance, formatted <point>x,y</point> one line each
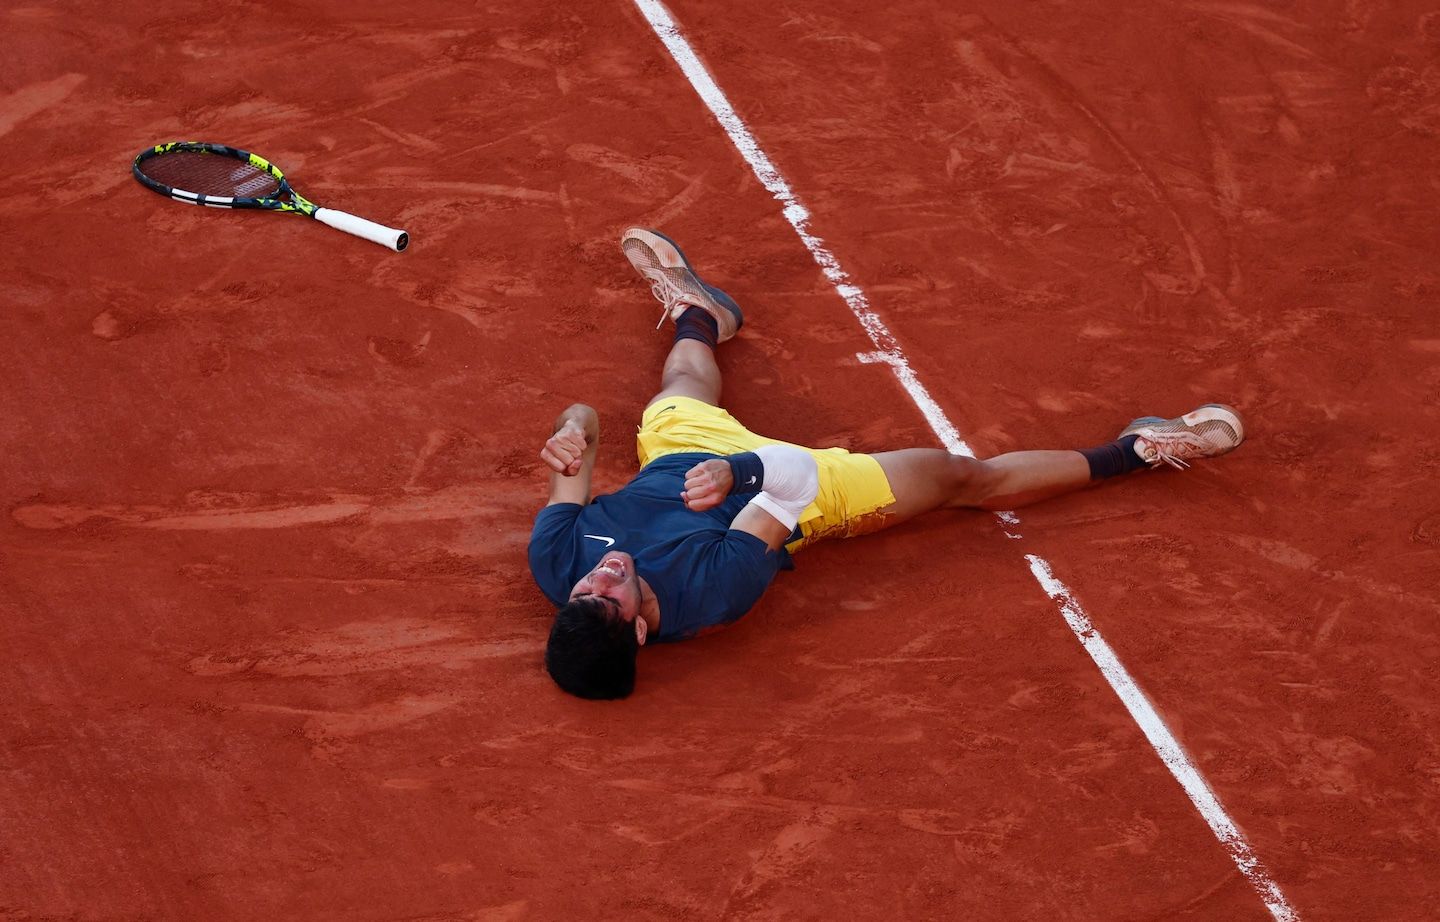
<point>1173,448</point>
<point>667,293</point>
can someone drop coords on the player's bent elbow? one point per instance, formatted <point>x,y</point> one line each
<point>792,480</point>
<point>791,473</point>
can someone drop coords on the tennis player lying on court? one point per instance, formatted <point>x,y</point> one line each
<point>696,537</point>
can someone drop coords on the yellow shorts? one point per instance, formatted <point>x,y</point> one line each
<point>853,488</point>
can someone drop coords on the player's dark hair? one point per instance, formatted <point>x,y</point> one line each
<point>591,653</point>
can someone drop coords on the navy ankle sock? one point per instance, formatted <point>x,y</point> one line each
<point>696,323</point>
<point>1114,458</point>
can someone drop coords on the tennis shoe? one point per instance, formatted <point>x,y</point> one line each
<point>1209,432</point>
<point>674,283</point>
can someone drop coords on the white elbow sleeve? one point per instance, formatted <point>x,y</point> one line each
<point>791,481</point>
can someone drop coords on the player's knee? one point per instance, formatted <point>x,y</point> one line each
<point>968,481</point>
<point>590,652</point>
<point>675,374</point>
<point>678,366</point>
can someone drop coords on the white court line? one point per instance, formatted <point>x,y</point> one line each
<point>889,353</point>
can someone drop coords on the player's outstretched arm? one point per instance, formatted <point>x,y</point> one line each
<point>570,454</point>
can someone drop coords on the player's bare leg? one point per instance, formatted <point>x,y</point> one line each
<point>704,315</point>
<point>690,371</point>
<point>923,479</point>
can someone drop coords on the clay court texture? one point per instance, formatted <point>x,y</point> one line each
<point>270,646</point>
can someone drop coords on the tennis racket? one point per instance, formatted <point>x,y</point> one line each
<point>225,177</point>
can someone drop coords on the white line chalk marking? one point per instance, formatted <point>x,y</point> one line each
<point>1160,737</point>
<point>888,352</point>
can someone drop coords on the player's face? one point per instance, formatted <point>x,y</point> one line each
<point>614,582</point>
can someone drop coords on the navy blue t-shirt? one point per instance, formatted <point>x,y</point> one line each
<point>702,572</point>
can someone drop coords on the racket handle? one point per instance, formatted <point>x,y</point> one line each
<point>396,240</point>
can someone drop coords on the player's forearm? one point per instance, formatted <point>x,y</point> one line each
<point>584,418</point>
<point>570,454</point>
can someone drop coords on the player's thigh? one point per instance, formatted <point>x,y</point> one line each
<point>676,422</point>
<point>923,479</point>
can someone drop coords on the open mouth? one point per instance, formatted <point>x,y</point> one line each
<point>615,566</point>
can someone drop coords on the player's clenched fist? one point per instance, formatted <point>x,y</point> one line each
<point>707,484</point>
<point>564,450</point>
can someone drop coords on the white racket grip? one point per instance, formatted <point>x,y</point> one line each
<point>396,240</point>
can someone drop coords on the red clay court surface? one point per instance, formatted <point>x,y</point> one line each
<point>271,650</point>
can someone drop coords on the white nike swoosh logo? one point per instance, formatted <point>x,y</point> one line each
<point>608,540</point>
<point>750,481</point>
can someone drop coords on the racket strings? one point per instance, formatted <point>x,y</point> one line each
<point>210,174</point>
